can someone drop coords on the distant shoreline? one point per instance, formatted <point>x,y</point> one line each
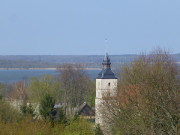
<point>42,68</point>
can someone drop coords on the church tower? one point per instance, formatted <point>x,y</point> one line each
<point>106,83</point>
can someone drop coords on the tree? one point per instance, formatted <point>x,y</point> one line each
<point>76,117</point>
<point>27,109</point>
<point>4,89</point>
<point>8,113</point>
<point>92,97</point>
<point>76,87</point>
<point>19,91</point>
<point>148,97</point>
<point>38,88</point>
<point>61,116</point>
<point>46,107</point>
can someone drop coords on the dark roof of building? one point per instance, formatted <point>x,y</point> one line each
<point>106,72</point>
<point>86,110</point>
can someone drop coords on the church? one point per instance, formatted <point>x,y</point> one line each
<point>106,84</point>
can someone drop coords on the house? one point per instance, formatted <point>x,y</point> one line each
<point>86,111</point>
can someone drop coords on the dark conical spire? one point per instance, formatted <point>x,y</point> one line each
<point>106,59</point>
<point>106,62</point>
<point>106,72</point>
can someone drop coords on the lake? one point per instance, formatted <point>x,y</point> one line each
<point>10,76</point>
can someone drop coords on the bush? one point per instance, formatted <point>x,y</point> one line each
<point>8,113</point>
<point>98,130</point>
<point>80,127</point>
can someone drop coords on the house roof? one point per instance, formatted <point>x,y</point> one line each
<point>86,110</point>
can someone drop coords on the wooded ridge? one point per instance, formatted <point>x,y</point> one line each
<point>52,61</point>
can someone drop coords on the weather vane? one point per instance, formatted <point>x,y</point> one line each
<point>106,43</point>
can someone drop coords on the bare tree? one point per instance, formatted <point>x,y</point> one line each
<point>19,91</point>
<point>76,87</point>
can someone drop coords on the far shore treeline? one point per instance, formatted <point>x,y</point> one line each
<point>52,61</point>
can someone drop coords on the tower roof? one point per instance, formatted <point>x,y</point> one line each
<point>106,72</point>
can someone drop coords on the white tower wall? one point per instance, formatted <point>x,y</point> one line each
<point>104,87</point>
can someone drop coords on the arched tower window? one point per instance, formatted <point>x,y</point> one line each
<point>109,84</point>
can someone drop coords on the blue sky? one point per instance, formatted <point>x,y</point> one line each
<point>77,27</point>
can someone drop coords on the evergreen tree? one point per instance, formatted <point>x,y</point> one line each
<point>27,109</point>
<point>46,107</point>
<point>62,117</point>
<point>76,117</point>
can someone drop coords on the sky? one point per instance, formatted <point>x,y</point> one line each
<point>80,27</point>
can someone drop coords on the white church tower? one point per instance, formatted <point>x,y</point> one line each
<point>106,83</point>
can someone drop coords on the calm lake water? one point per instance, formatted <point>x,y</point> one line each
<point>10,76</point>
